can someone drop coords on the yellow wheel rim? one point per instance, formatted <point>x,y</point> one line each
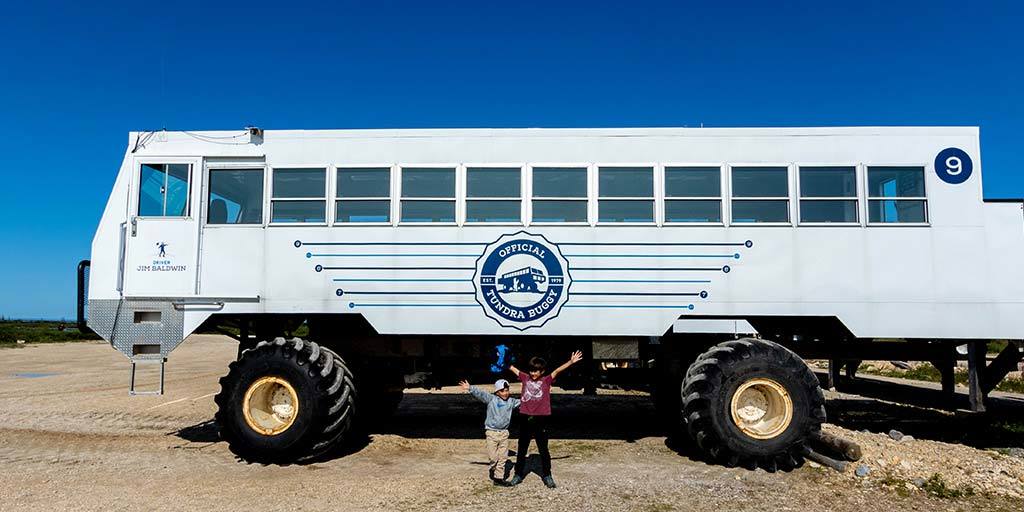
<point>270,405</point>
<point>761,408</point>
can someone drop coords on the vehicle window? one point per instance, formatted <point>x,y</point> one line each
<point>693,194</point>
<point>828,194</point>
<point>559,194</point>
<point>363,195</point>
<point>760,194</point>
<point>896,195</point>
<point>236,196</point>
<point>164,190</point>
<point>493,194</point>
<point>299,196</point>
<point>625,194</point>
<point>428,194</point>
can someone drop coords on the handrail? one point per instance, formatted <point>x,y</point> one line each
<point>81,296</point>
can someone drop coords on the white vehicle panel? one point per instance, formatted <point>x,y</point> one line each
<point>958,275</point>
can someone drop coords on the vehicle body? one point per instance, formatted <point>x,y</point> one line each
<point>420,250</point>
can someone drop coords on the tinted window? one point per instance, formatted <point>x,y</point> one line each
<point>760,182</point>
<point>559,211</point>
<point>693,182</point>
<point>492,181</point>
<point>297,211</point>
<point>559,182</point>
<point>760,211</point>
<point>828,182</point>
<point>625,182</point>
<point>177,191</point>
<point>693,211</point>
<point>828,211</point>
<point>236,196</point>
<point>428,211</point>
<point>300,183</point>
<point>625,211</point>
<point>895,181</point>
<point>493,211</point>
<point>163,190</point>
<point>892,211</point>
<point>364,182</point>
<point>428,182</point>
<point>152,179</point>
<point>362,211</point>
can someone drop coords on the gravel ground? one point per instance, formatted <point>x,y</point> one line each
<point>72,438</point>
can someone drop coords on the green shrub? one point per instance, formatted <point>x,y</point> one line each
<point>40,331</point>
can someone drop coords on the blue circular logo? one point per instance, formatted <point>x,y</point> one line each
<point>521,280</point>
<point>953,165</point>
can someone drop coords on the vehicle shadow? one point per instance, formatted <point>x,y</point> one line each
<point>460,416</point>
<point>631,417</point>
<point>864,404</point>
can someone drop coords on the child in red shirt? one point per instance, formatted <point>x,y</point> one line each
<point>536,407</point>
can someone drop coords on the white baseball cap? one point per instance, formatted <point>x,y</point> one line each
<point>500,384</point>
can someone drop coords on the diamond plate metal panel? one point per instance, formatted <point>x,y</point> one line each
<point>117,322</point>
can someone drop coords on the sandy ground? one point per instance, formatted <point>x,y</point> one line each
<point>71,438</point>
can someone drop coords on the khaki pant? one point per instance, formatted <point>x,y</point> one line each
<point>497,452</point>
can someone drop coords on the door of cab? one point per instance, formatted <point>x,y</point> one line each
<point>162,229</point>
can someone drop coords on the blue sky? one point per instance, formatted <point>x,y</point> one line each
<point>76,77</point>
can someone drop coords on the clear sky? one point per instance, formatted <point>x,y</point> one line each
<point>75,78</point>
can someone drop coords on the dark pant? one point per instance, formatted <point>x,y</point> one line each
<point>533,427</point>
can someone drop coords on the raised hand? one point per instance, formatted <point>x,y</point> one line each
<point>576,357</point>
<point>464,384</point>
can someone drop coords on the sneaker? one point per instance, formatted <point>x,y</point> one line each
<point>516,480</point>
<point>550,482</point>
<point>498,482</point>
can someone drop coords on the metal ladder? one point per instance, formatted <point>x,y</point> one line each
<point>147,359</point>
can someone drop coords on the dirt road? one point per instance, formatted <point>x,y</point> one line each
<point>71,438</point>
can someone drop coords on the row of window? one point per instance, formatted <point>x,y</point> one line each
<point>625,194</point>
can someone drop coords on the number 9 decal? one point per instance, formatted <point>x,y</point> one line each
<point>953,165</point>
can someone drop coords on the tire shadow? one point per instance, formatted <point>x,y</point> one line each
<point>627,418</point>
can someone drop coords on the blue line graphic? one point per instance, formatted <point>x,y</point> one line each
<point>748,244</point>
<point>656,269</point>
<point>729,256</point>
<point>435,305</point>
<point>630,306</point>
<point>641,281</point>
<point>642,294</point>
<point>398,280</point>
<point>409,305</point>
<point>399,268</point>
<point>346,292</point>
<point>300,243</point>
<point>662,244</point>
<point>407,255</point>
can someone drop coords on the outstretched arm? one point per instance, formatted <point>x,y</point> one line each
<point>512,368</point>
<point>477,393</point>
<point>573,359</point>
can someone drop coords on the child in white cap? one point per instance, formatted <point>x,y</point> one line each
<point>499,415</point>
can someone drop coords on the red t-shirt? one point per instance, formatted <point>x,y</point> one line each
<point>536,399</point>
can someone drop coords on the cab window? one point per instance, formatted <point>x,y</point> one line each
<point>164,190</point>
<point>236,196</point>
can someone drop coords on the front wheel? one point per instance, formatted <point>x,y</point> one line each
<point>285,401</point>
<point>752,403</point>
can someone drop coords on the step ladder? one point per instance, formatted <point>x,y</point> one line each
<point>147,359</point>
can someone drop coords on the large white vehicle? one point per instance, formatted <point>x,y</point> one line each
<point>704,262</point>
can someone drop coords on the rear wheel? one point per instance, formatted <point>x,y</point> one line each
<point>752,403</point>
<point>285,401</point>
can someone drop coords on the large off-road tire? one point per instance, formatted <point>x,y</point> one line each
<point>752,403</point>
<point>285,401</point>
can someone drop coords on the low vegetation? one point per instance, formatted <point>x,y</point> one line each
<point>937,487</point>
<point>928,373</point>
<point>40,331</point>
